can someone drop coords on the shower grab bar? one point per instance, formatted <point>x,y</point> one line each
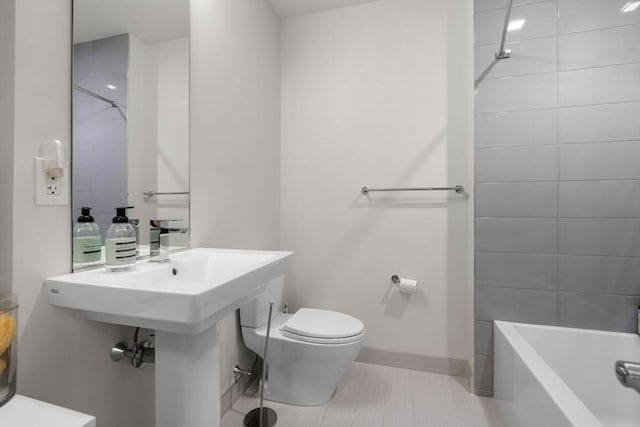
<point>148,194</point>
<point>504,54</point>
<point>458,189</point>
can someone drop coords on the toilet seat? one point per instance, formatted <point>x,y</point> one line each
<point>322,327</point>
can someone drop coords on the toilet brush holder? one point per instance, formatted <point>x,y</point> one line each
<point>261,416</point>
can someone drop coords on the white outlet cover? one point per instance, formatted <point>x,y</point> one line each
<point>40,181</point>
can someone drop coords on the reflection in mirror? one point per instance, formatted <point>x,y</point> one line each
<point>130,120</point>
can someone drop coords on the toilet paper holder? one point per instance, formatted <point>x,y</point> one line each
<point>406,286</point>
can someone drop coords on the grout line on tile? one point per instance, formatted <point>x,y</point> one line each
<point>560,254</point>
<point>591,30</point>
<point>560,180</point>
<point>596,104</point>
<point>561,144</point>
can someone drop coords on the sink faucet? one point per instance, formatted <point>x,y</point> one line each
<point>159,238</point>
<point>628,374</point>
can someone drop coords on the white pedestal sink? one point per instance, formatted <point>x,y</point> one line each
<point>182,300</point>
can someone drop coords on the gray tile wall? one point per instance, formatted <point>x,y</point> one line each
<point>99,132</point>
<point>557,148</point>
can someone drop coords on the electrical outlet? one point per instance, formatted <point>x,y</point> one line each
<point>49,191</point>
<point>52,186</point>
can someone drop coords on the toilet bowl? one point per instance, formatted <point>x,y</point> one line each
<point>309,351</point>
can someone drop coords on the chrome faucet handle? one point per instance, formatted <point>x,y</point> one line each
<point>628,374</point>
<point>163,225</point>
<point>160,232</point>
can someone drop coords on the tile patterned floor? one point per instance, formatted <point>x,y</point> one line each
<point>382,396</point>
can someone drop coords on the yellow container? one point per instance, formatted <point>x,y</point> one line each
<point>8,347</point>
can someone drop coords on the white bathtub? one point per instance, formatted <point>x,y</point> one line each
<point>547,376</point>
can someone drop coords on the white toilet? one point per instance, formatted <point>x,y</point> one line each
<point>309,351</point>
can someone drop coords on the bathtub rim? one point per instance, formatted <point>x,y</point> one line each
<point>576,412</point>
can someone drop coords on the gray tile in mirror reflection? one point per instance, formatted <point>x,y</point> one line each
<point>517,235</point>
<point>619,160</point>
<point>605,237</point>
<point>109,155</point>
<point>483,337</point>
<point>101,111</point>
<point>109,132</point>
<point>104,202</point>
<point>82,111</point>
<point>540,21</point>
<point>584,15</point>
<point>110,43</point>
<point>82,49</point>
<point>536,127</point>
<point>112,61</point>
<point>529,92</point>
<point>516,270</point>
<point>609,46</point>
<point>517,164</point>
<point>516,305</point>
<point>109,179</point>
<point>81,179</point>
<point>519,199</point>
<point>602,312</point>
<point>81,198</point>
<point>600,275</point>
<point>81,156</point>
<point>82,134</point>
<point>609,122</point>
<point>600,199</point>
<point>483,374</point>
<point>527,57</point>
<point>618,83</point>
<point>81,66</point>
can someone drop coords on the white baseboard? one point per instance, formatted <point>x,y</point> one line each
<point>229,398</point>
<point>439,365</point>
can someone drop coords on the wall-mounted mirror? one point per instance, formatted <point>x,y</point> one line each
<point>130,118</point>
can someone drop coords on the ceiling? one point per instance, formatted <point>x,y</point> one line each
<point>290,8</point>
<point>154,21</point>
<point>151,21</point>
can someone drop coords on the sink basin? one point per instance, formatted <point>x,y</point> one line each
<point>182,300</point>
<point>185,295</point>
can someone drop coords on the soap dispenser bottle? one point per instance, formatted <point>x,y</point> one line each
<point>120,242</point>
<point>87,242</point>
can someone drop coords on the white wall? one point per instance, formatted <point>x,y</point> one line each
<point>7,14</point>
<point>372,95</point>
<point>142,132</point>
<point>173,129</point>
<point>63,357</point>
<point>235,136</point>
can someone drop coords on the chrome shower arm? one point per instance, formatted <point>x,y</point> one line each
<point>504,54</point>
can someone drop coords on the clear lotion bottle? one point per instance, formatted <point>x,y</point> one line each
<point>120,242</point>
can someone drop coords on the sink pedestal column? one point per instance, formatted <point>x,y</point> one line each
<point>187,379</point>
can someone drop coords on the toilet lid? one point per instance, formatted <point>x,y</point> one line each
<point>314,325</point>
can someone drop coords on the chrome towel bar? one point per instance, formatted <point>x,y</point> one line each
<point>458,189</point>
<point>148,194</point>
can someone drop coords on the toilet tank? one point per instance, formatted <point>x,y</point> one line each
<point>255,313</point>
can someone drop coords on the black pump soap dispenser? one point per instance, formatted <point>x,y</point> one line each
<point>87,242</point>
<point>120,242</point>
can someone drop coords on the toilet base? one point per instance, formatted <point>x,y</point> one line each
<point>306,381</point>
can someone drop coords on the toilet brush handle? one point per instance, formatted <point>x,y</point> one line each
<point>264,362</point>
